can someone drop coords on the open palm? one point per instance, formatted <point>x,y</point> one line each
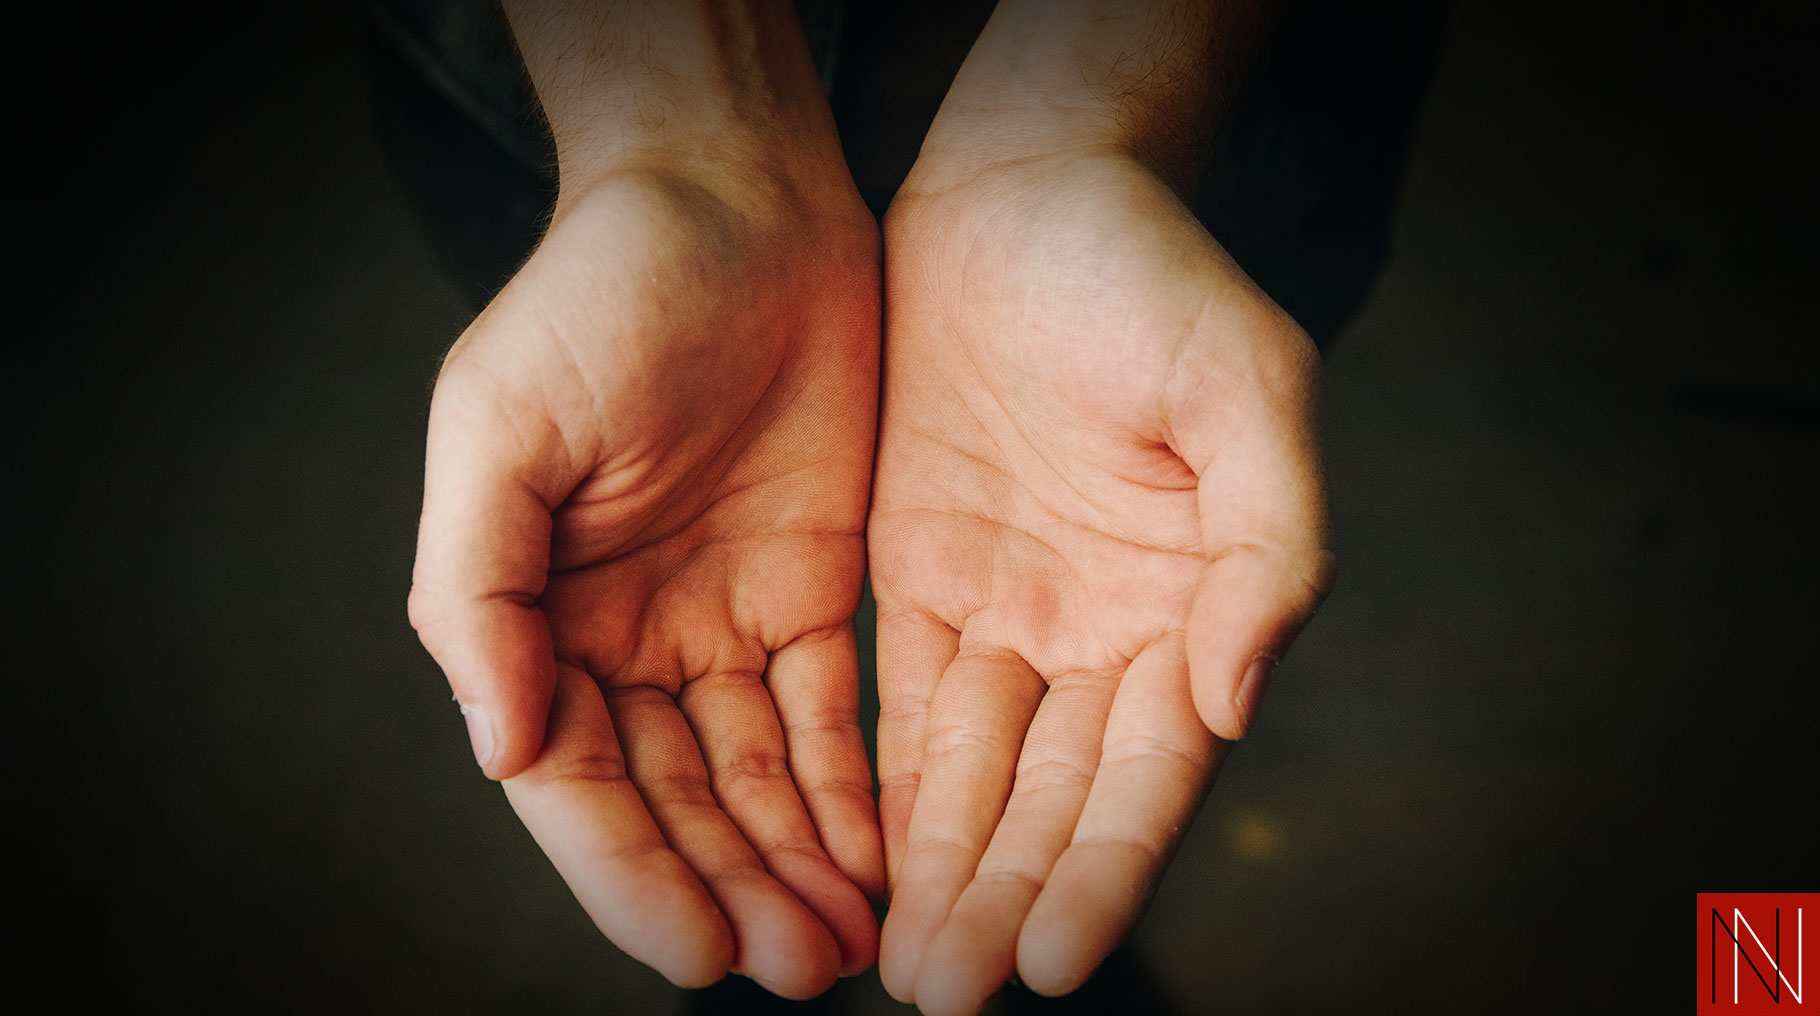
<point>640,555</point>
<point>1097,507</point>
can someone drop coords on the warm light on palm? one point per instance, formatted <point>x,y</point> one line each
<point>1096,432</point>
<point>644,524</point>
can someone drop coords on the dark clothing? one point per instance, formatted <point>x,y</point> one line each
<point>1300,191</point>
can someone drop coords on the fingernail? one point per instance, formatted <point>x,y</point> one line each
<point>1251,690</point>
<point>480,733</point>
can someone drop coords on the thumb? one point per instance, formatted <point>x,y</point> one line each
<point>1248,607</point>
<point>483,549</point>
<point>1256,456</point>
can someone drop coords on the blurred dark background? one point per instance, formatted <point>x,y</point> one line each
<point>1565,682</point>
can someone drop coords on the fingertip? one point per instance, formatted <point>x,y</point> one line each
<point>950,996</point>
<point>512,728</point>
<point>507,767</point>
<point>899,988</point>
<point>858,948</point>
<point>797,963</point>
<point>952,978</point>
<point>1249,606</point>
<point>897,962</point>
<point>781,944</point>
<point>500,758</point>
<point>803,984</point>
<point>694,979</point>
<point>1250,696</point>
<point>839,905</point>
<point>702,968</point>
<point>1056,983</point>
<point>1053,959</point>
<point>1093,898</point>
<point>858,938</point>
<point>500,663</point>
<point>860,961</point>
<point>1216,702</point>
<point>481,738</point>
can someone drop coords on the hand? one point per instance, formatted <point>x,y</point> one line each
<point>642,539</point>
<point>1097,519</point>
<point>640,556</point>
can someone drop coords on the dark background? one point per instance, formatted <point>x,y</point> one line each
<point>1565,681</point>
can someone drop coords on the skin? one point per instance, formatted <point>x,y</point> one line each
<point>1098,504</point>
<point>642,542</point>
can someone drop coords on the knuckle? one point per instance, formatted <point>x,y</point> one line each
<point>749,768</point>
<point>854,790</point>
<point>903,711</point>
<point>597,768</point>
<point>1147,748</point>
<point>1010,878</point>
<point>1054,773</point>
<point>688,789</point>
<point>894,782</point>
<point>823,725</point>
<point>958,744</point>
<point>1147,854</point>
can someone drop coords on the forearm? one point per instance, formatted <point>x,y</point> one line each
<point>1147,77</point>
<point>629,82</point>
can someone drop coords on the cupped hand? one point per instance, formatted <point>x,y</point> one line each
<point>1097,521</point>
<point>640,555</point>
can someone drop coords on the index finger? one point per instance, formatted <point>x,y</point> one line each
<point>583,810</point>
<point>914,648</point>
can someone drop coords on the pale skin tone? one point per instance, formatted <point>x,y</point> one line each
<point>1097,502</point>
<point>1097,507</point>
<point>643,531</point>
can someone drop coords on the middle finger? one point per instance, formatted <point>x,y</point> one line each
<point>975,950</point>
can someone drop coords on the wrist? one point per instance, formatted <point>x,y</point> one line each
<point>727,84</point>
<point>1145,78</point>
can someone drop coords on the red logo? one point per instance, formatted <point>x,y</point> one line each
<point>1753,953</point>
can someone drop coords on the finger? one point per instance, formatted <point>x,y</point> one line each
<point>975,951</point>
<point>586,815</point>
<point>976,727</point>
<point>1249,604</point>
<point>815,682</point>
<point>778,942</point>
<point>737,730</point>
<point>482,557</point>
<point>914,649</point>
<point>1156,764</point>
<point>1262,507</point>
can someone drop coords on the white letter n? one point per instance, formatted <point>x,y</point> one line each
<point>1800,967</point>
